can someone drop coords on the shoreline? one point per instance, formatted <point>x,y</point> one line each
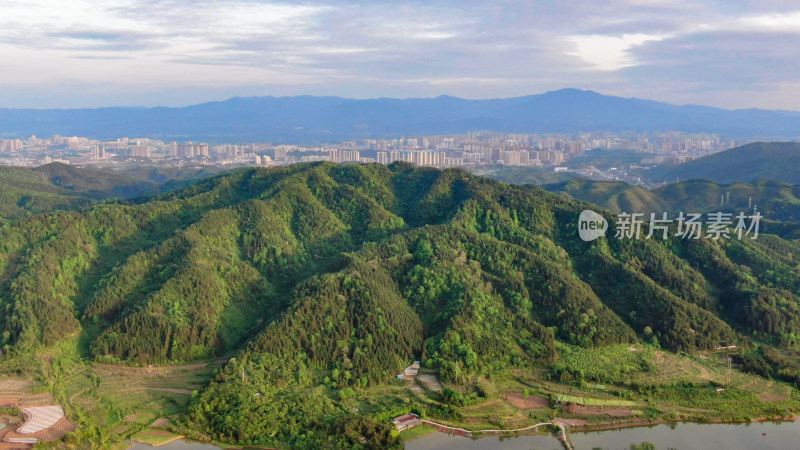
<point>176,438</point>
<point>221,445</point>
<point>571,429</point>
<point>632,424</point>
<point>604,426</point>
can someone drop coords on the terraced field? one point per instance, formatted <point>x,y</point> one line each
<point>20,391</point>
<point>124,400</point>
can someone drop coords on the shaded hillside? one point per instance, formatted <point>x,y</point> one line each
<point>523,174</point>
<point>617,196</point>
<point>778,202</point>
<point>774,161</point>
<point>24,192</point>
<point>61,187</point>
<point>326,280</point>
<point>95,183</point>
<point>169,173</point>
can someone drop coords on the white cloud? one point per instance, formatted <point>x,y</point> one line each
<point>776,23</point>
<point>609,52</point>
<point>359,48</point>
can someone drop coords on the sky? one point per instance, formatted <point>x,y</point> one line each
<point>81,53</point>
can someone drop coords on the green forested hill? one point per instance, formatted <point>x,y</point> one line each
<point>759,161</point>
<point>60,187</point>
<point>93,182</point>
<point>777,201</point>
<point>24,192</point>
<point>324,281</point>
<point>614,195</point>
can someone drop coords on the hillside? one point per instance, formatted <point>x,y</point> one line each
<point>324,281</point>
<point>59,187</point>
<point>771,161</point>
<point>307,119</point>
<point>778,202</point>
<point>24,192</point>
<point>523,174</point>
<point>616,196</point>
<point>165,174</point>
<point>94,183</point>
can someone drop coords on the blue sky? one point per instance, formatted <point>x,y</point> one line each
<point>82,53</point>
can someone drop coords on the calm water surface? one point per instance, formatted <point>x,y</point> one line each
<point>447,441</point>
<point>684,436</point>
<point>762,435</point>
<point>181,444</point>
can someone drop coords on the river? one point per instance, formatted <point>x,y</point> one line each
<point>684,436</point>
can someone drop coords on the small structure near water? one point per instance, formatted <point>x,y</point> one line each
<point>406,421</point>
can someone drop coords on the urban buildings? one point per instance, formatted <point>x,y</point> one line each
<point>462,150</point>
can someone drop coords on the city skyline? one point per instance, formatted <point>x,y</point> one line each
<point>78,53</point>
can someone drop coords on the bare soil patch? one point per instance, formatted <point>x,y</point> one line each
<point>57,431</point>
<point>160,423</point>
<point>571,422</point>
<point>533,401</point>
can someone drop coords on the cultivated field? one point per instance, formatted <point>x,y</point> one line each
<point>122,400</point>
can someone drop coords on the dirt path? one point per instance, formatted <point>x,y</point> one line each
<point>469,433</point>
<point>111,369</point>
<point>173,390</point>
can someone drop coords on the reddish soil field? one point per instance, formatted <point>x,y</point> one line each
<point>516,399</point>
<point>57,431</point>
<point>572,422</point>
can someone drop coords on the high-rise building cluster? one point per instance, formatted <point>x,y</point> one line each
<point>455,150</point>
<point>191,150</point>
<point>10,145</point>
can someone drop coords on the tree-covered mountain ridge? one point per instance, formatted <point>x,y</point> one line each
<point>316,275</point>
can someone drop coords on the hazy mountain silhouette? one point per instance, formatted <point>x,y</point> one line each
<point>307,119</point>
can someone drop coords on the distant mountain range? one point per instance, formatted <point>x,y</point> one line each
<point>307,119</point>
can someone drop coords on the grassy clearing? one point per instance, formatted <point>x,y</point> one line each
<point>155,437</point>
<point>417,432</point>
<point>588,401</point>
<point>609,364</point>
